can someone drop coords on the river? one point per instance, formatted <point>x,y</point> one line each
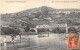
<point>34,42</point>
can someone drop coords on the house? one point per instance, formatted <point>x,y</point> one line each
<point>42,26</point>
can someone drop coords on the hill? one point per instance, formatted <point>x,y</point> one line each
<point>45,14</point>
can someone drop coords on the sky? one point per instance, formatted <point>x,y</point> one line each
<point>11,6</point>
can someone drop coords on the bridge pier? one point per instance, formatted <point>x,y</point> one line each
<point>66,28</point>
<point>36,30</point>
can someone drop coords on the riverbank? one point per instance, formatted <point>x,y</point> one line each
<point>7,38</point>
<point>28,42</point>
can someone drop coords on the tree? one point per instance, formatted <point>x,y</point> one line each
<point>37,14</point>
<point>7,31</point>
<point>41,30</point>
<point>56,30</point>
<point>45,12</point>
<point>27,29</point>
<point>10,31</point>
<point>72,30</point>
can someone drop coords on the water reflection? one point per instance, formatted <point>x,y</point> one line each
<point>33,42</point>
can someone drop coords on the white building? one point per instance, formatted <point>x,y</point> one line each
<point>43,26</point>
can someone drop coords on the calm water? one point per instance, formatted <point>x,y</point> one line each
<point>34,42</point>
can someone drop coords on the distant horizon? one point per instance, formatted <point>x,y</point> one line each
<point>39,7</point>
<point>13,6</point>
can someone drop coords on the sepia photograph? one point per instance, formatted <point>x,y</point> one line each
<point>39,24</point>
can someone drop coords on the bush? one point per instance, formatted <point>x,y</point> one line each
<point>8,31</point>
<point>58,30</point>
<point>27,29</point>
<point>72,30</point>
<point>41,30</point>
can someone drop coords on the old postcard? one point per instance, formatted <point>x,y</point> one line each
<point>39,24</point>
